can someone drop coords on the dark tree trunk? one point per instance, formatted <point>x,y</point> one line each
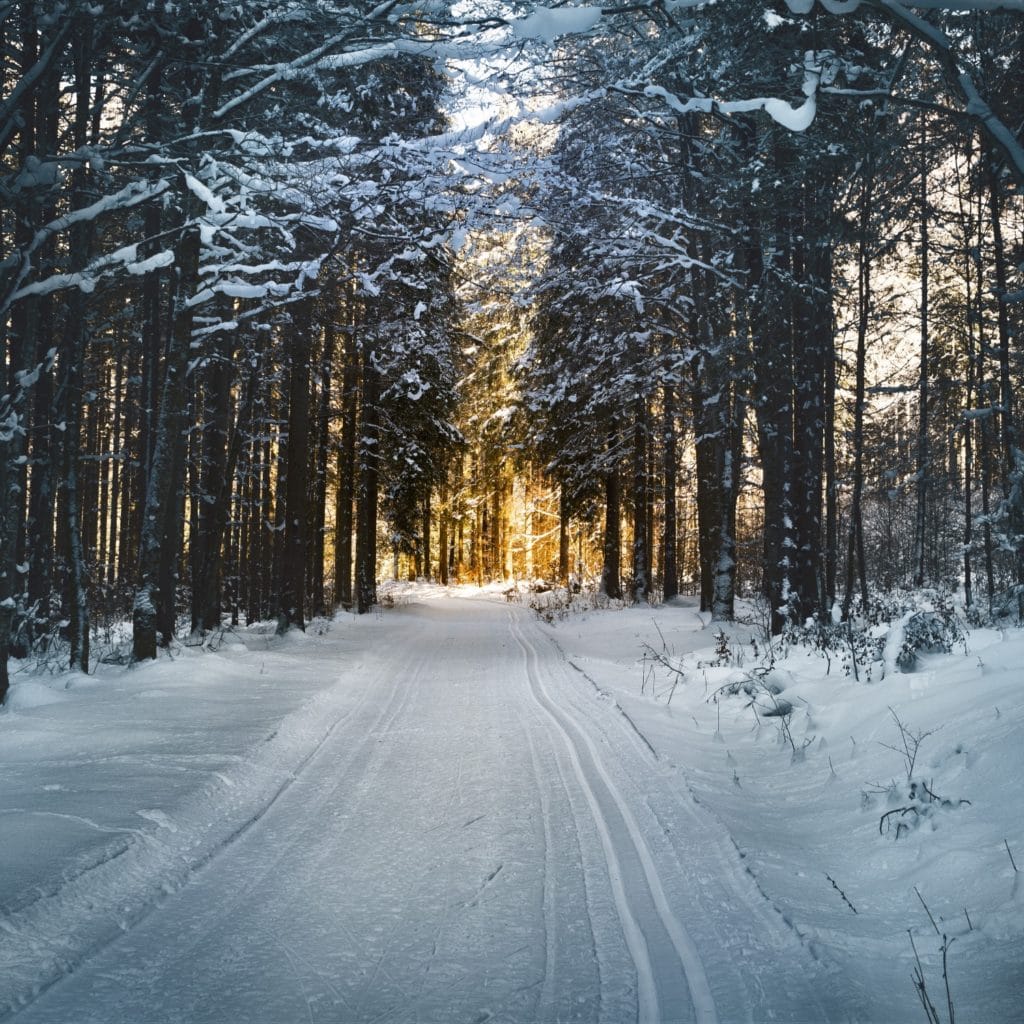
<point>369,475</point>
<point>218,498</point>
<point>268,536</point>
<point>344,521</point>
<point>172,547</point>
<point>855,560</point>
<point>162,490</point>
<point>709,518</point>
<point>443,524</point>
<point>293,567</point>
<point>921,495</point>
<point>1012,456</point>
<point>670,469</point>
<point>427,527</point>
<point>211,496</point>
<point>318,526</point>
<point>812,317</point>
<point>611,572</point>
<point>76,597</point>
<point>563,536</point>
<point>769,267</point>
<point>76,584</point>
<point>641,541</point>
<point>831,476</point>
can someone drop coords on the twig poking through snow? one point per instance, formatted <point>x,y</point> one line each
<point>927,911</point>
<point>841,893</point>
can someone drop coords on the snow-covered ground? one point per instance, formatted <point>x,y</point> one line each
<point>805,817</point>
<point>456,811</point>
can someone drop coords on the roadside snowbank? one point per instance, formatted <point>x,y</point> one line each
<point>851,845</point>
<point>118,786</point>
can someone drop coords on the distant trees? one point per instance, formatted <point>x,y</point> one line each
<point>754,214</point>
<point>232,328</point>
<point>197,207</point>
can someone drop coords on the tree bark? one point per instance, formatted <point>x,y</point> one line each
<point>344,522</point>
<point>641,580</point>
<point>563,536</point>
<point>162,485</point>
<point>321,451</point>
<point>369,478</point>
<point>670,469</point>
<point>291,611</point>
<point>611,573</point>
<point>921,490</point>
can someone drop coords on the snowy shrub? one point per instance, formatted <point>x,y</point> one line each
<point>897,628</point>
<point>918,806</point>
<point>928,632</point>
<point>761,689</point>
<point>854,645</point>
<point>551,604</point>
<point>723,655</point>
<point>918,802</point>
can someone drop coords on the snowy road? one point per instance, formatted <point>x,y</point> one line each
<point>479,836</point>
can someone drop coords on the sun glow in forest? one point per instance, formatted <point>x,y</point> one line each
<point>500,299</point>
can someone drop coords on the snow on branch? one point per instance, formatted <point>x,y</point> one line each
<point>957,77</point>
<point>131,195</point>
<point>796,119</point>
<point>284,72</point>
<point>952,6</point>
<point>547,23</point>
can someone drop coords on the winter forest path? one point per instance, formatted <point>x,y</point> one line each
<point>480,837</point>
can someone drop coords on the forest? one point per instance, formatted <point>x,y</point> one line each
<point>654,298</point>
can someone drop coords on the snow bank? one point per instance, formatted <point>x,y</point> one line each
<point>805,796</point>
<point>119,786</point>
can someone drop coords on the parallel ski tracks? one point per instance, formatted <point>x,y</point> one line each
<point>47,911</point>
<point>668,966</point>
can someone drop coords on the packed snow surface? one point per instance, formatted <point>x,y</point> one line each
<point>456,811</point>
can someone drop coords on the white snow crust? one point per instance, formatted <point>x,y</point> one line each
<point>454,811</point>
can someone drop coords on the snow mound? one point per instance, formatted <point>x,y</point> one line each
<point>33,693</point>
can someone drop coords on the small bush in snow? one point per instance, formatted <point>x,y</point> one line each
<point>928,632</point>
<point>896,630</point>
<point>919,802</point>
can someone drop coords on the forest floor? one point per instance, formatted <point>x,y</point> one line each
<point>457,811</point>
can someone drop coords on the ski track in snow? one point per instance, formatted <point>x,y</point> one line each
<point>479,836</point>
<point>621,847</point>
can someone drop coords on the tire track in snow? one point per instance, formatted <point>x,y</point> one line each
<point>629,863</point>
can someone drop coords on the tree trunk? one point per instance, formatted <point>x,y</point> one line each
<point>1012,456</point>
<point>641,580</point>
<point>369,475</point>
<point>670,469</point>
<point>442,532</point>
<point>212,472</point>
<point>921,495</point>
<point>161,489</point>
<point>855,560</point>
<point>611,573</point>
<point>217,514</point>
<point>320,455</point>
<point>291,611</point>
<point>344,522</point>
<point>563,536</point>
<point>426,567</point>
